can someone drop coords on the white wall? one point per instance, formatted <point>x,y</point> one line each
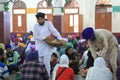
<point>115,17</point>
<point>87,9</point>
<point>31,20</point>
<point>116,22</point>
<point>58,4</point>
<point>1,7</point>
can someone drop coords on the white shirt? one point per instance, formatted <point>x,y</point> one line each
<point>84,58</point>
<point>40,32</point>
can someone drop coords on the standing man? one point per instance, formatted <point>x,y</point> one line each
<point>42,30</point>
<point>104,43</point>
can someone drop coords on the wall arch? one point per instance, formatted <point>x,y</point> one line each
<point>46,7</point>
<point>72,22</point>
<point>103,15</point>
<point>19,17</point>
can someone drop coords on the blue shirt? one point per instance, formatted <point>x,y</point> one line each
<point>3,71</point>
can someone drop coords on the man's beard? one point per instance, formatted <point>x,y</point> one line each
<point>41,23</point>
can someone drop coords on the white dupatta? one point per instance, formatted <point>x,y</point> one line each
<point>64,62</point>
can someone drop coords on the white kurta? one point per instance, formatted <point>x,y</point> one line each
<point>40,32</point>
<point>84,59</point>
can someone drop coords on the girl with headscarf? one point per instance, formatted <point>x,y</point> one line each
<point>99,71</point>
<point>67,74</point>
<point>73,59</point>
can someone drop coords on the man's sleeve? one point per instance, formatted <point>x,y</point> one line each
<point>54,31</point>
<point>105,48</point>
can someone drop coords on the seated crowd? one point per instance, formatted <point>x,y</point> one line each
<point>73,58</point>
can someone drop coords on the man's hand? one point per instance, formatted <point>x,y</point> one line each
<point>99,53</point>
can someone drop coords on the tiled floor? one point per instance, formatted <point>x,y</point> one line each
<point>79,77</point>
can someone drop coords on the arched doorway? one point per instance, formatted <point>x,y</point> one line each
<point>103,15</point>
<point>72,19</point>
<point>19,17</point>
<point>46,7</point>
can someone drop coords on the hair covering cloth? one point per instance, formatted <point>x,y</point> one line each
<point>73,36</point>
<point>32,39</point>
<point>33,55</point>
<point>88,33</point>
<point>31,32</point>
<point>21,44</point>
<point>18,35</point>
<point>30,36</point>
<point>32,46</point>
<point>16,39</point>
<point>8,46</point>
<point>64,62</point>
<point>2,46</point>
<point>99,71</point>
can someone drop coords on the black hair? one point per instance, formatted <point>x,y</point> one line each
<point>40,14</point>
<point>90,60</point>
<point>54,54</point>
<point>66,50</point>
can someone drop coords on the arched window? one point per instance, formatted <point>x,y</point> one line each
<point>103,14</point>
<point>72,18</point>
<point>19,17</point>
<point>46,7</point>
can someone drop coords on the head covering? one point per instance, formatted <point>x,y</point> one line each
<point>73,36</point>
<point>99,71</point>
<point>64,62</point>
<point>32,46</point>
<point>100,62</point>
<point>8,46</point>
<point>21,44</point>
<point>70,36</point>
<point>16,39</point>
<point>33,55</point>
<point>31,33</point>
<point>18,35</point>
<point>30,36</point>
<point>40,14</point>
<point>2,46</point>
<point>14,36</point>
<point>32,39</point>
<point>88,33</point>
